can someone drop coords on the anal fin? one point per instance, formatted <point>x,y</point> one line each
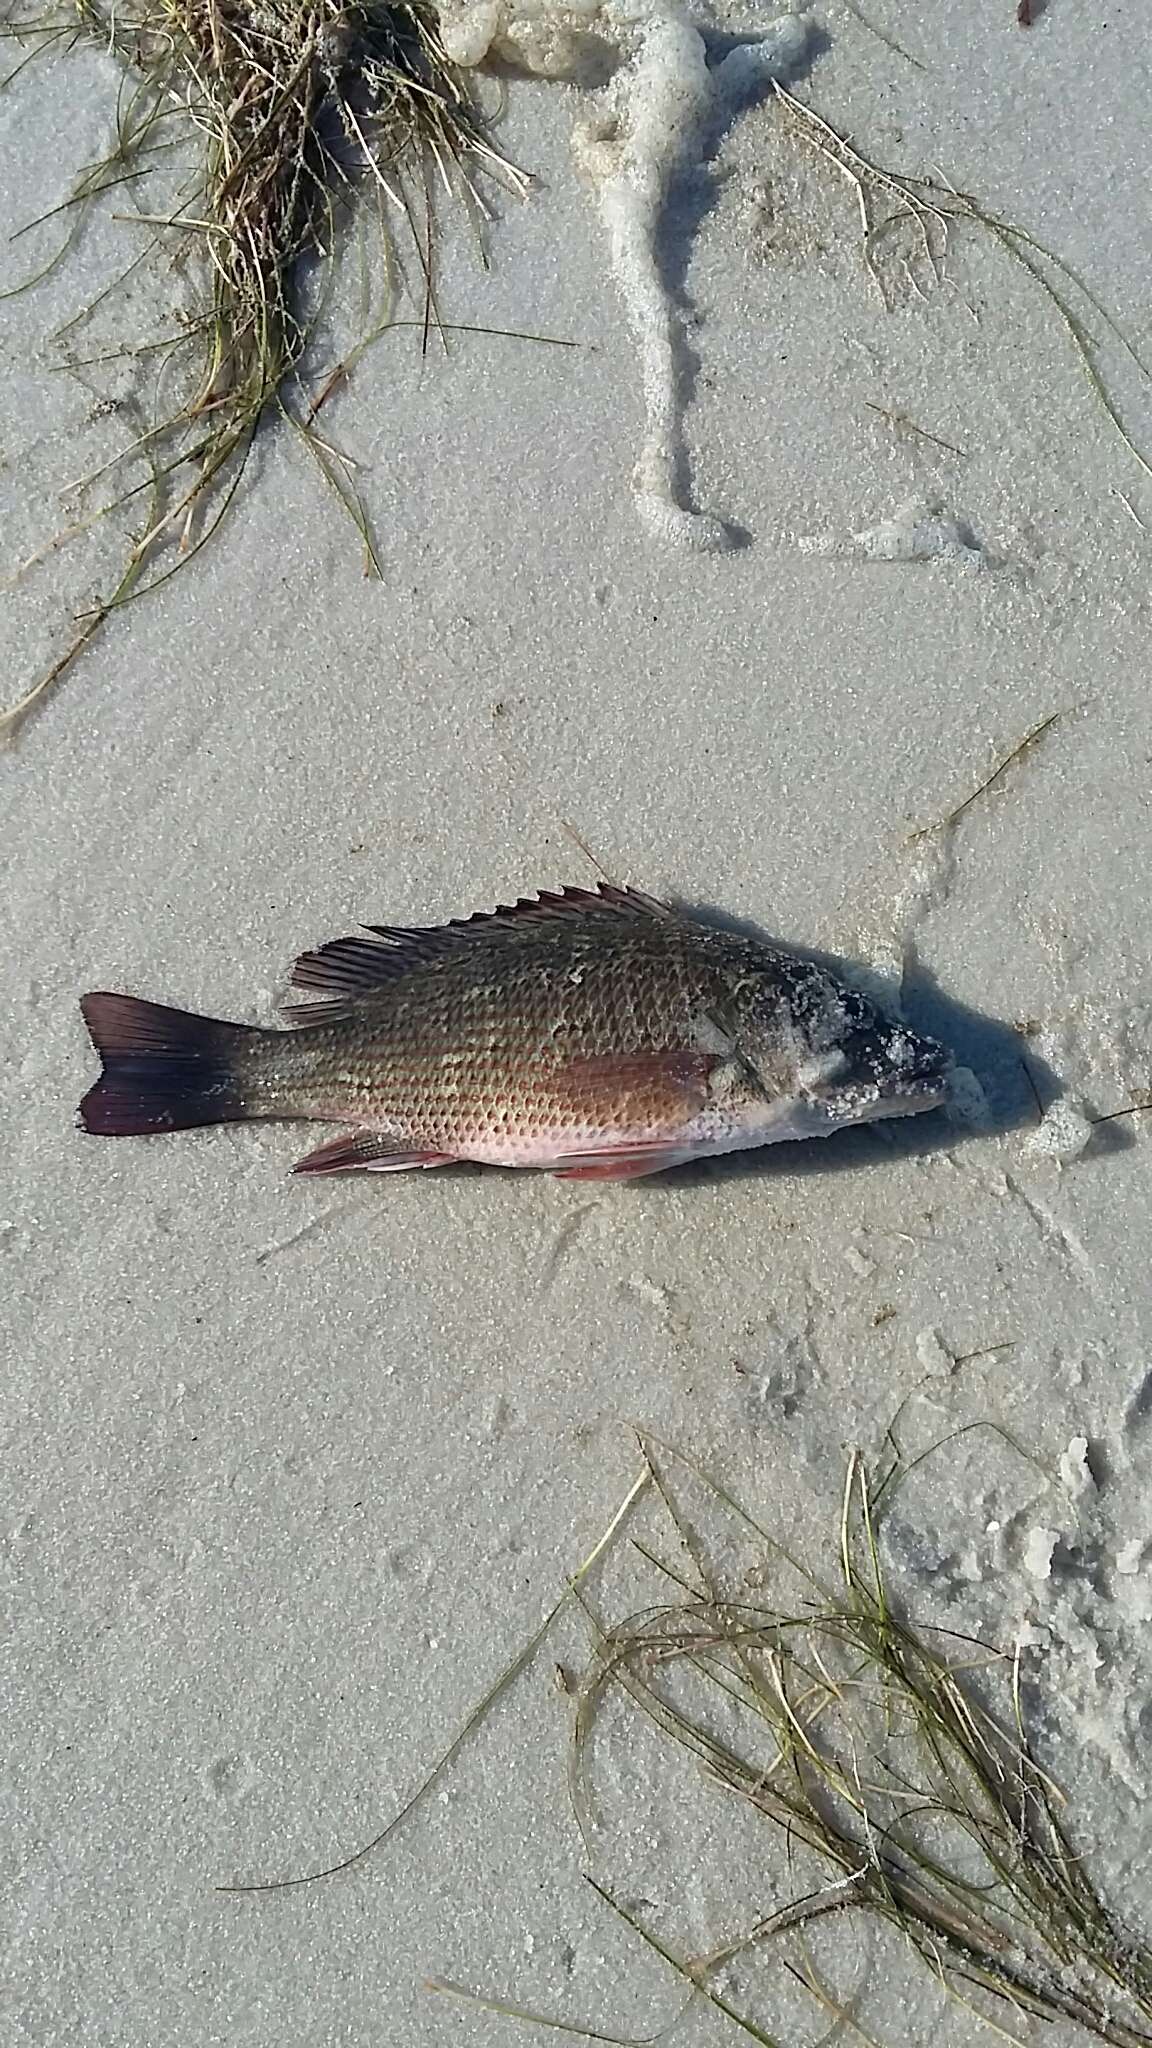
<point>628,1162</point>
<point>367,1152</point>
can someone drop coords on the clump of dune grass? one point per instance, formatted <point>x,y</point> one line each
<point>284,109</point>
<point>888,1759</point>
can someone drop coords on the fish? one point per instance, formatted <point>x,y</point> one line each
<point>599,1034</point>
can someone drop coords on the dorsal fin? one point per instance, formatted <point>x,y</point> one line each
<point>349,967</point>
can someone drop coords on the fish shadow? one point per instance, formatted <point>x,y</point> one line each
<point>1018,1086</point>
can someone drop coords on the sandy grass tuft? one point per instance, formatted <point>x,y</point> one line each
<point>285,111</point>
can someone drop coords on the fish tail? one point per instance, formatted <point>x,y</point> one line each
<point>164,1070</point>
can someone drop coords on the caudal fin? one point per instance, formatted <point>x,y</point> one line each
<point>164,1070</point>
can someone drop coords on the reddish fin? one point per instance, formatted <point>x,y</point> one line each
<point>164,1070</point>
<point>348,967</point>
<point>650,1096</point>
<point>629,1163</point>
<point>366,1152</point>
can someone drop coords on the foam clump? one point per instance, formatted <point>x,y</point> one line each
<point>967,1104</point>
<point>1039,1550</point>
<point>551,41</point>
<point>915,533</point>
<point>933,1354</point>
<point>1063,1133</point>
<point>1133,1596</point>
<point>645,128</point>
<point>1076,1475</point>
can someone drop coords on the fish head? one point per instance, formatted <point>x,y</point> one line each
<point>872,1066</point>
<point>838,1057</point>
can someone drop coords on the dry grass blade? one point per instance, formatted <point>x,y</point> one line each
<point>1009,760</point>
<point>1112,1116</point>
<point>901,421</point>
<point>688,1971</point>
<point>285,108</point>
<point>881,35</point>
<point>473,1720</point>
<point>505,2009</point>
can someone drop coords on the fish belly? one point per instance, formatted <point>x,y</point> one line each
<point>711,1132</point>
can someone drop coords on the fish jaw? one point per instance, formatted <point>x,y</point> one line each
<point>853,1108</point>
<point>789,1119</point>
<point>888,1071</point>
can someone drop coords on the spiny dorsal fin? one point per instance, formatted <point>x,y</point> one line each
<point>346,968</point>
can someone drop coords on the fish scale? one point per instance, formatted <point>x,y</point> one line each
<point>601,1034</point>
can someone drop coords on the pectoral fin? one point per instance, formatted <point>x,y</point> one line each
<point>627,1162</point>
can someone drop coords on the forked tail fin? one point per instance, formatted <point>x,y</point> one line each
<point>164,1070</point>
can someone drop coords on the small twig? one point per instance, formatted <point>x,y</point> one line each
<point>1111,1116</point>
<point>985,1351</point>
<point>1030,1077</point>
<point>901,419</point>
<point>882,36</point>
<point>1023,747</point>
<point>578,840</point>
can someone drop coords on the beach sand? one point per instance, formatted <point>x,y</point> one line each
<point>292,1470</point>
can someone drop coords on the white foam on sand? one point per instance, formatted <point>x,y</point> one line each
<point>1075,1471</point>
<point>1064,1133</point>
<point>1039,1550</point>
<point>915,532</point>
<point>645,128</point>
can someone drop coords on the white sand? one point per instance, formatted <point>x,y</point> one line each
<point>291,1470</point>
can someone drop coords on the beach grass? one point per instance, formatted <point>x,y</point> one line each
<point>888,1758</point>
<point>260,122</point>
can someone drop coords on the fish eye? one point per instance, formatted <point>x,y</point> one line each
<point>856,1009</point>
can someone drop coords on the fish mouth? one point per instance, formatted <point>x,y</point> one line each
<point>910,1097</point>
<point>918,1065</point>
<point>881,1070</point>
<point>868,1104</point>
<point>919,1072</point>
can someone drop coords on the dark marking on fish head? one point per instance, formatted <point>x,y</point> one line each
<point>810,1037</point>
<point>870,1065</point>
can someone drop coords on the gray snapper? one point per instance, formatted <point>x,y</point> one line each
<point>599,1034</point>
